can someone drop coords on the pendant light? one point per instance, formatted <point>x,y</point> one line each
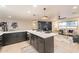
<point>44,17</point>
<point>34,17</point>
<point>34,22</point>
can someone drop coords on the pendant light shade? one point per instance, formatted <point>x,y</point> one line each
<point>44,17</point>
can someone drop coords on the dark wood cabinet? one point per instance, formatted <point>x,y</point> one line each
<point>49,44</point>
<point>42,45</point>
<point>33,41</point>
<point>1,41</point>
<point>11,38</point>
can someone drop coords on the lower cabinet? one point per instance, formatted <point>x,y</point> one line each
<point>33,41</point>
<point>49,44</point>
<point>1,42</point>
<point>12,38</point>
<point>42,45</point>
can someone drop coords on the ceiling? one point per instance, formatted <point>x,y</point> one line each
<point>26,12</point>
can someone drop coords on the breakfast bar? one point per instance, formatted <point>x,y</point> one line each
<point>41,41</point>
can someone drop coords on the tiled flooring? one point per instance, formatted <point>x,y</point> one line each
<point>62,44</point>
<point>22,47</point>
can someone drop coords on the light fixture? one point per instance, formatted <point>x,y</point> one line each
<point>74,7</point>
<point>44,17</point>
<point>34,15</point>
<point>74,11</point>
<point>35,5</point>
<point>9,16</point>
<point>34,22</point>
<point>28,12</point>
<point>3,5</point>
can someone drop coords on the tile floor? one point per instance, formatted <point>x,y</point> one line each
<point>22,47</point>
<point>62,44</point>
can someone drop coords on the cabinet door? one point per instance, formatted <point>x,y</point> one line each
<point>40,45</point>
<point>1,41</point>
<point>9,38</point>
<point>35,42</point>
<point>12,38</point>
<point>32,39</point>
<point>49,45</point>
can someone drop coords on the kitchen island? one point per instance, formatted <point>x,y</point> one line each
<point>41,41</point>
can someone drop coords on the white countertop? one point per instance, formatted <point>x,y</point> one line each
<point>1,32</point>
<point>38,33</point>
<point>42,34</point>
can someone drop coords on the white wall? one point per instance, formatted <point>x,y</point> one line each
<point>22,24</point>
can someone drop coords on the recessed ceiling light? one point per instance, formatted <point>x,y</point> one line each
<point>28,12</point>
<point>9,16</point>
<point>34,5</point>
<point>3,5</point>
<point>75,7</point>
